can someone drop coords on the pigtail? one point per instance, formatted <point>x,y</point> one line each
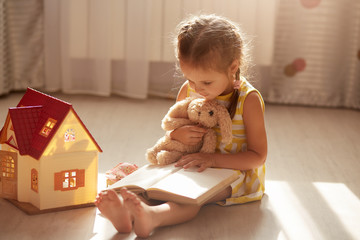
<point>234,97</point>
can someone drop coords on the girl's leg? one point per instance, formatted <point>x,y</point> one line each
<point>130,208</point>
<point>112,207</point>
<point>147,218</point>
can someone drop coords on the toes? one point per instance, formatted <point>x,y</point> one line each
<point>125,193</point>
<point>112,195</point>
<point>99,198</point>
<point>130,197</point>
<point>105,197</point>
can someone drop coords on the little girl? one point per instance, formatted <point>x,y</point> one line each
<point>211,57</point>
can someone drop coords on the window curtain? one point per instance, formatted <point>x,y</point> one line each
<point>316,54</point>
<point>21,45</point>
<point>306,51</point>
<point>125,46</point>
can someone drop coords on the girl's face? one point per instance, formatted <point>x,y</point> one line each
<point>208,83</point>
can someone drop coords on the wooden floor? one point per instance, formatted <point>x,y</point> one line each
<point>312,182</point>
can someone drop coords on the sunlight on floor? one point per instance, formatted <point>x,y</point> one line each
<point>101,224</point>
<point>295,220</point>
<point>318,211</point>
<point>103,229</point>
<point>101,182</point>
<point>303,210</point>
<point>344,204</point>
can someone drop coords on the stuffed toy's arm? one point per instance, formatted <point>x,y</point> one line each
<point>209,142</point>
<point>177,115</point>
<point>169,123</point>
<point>225,124</point>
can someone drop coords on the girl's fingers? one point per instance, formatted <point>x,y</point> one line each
<point>194,140</point>
<point>193,160</point>
<point>202,167</point>
<point>202,164</point>
<point>184,160</point>
<point>197,135</point>
<point>191,164</point>
<point>198,129</point>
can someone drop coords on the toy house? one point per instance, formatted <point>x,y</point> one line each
<point>49,159</point>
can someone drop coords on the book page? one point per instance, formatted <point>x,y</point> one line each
<point>193,184</point>
<point>145,176</point>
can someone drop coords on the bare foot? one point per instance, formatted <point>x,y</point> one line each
<point>141,212</point>
<point>112,207</point>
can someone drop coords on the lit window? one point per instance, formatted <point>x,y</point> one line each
<point>34,180</point>
<point>49,125</point>
<point>66,183</point>
<point>8,167</point>
<point>69,180</point>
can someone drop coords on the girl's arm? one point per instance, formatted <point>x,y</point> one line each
<point>182,92</point>
<point>256,152</point>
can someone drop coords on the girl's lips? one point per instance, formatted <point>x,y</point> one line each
<point>204,95</point>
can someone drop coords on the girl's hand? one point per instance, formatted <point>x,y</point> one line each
<point>189,134</point>
<point>201,160</point>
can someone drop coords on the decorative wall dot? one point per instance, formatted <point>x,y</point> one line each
<point>290,70</point>
<point>310,3</point>
<point>298,65</point>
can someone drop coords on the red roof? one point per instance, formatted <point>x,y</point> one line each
<point>29,117</point>
<point>25,121</point>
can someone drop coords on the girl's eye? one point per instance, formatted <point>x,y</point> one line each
<point>207,83</point>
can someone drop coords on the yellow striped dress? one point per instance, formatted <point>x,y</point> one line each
<point>251,183</point>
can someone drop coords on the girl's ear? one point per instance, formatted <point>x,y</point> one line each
<point>225,124</point>
<point>234,67</point>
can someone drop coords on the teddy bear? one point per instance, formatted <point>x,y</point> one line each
<point>191,111</point>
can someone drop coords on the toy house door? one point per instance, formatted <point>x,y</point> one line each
<point>8,175</point>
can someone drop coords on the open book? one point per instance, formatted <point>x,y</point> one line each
<point>170,183</point>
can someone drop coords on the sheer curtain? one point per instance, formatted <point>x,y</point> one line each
<point>21,45</point>
<point>316,54</point>
<point>306,51</point>
<point>124,46</point>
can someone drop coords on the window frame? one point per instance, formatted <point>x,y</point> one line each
<point>48,127</point>
<point>67,177</point>
<point>34,182</point>
<point>8,167</point>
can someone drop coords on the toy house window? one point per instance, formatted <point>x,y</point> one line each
<point>46,129</point>
<point>69,180</point>
<point>8,167</point>
<point>34,180</point>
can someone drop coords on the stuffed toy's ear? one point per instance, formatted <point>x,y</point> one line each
<point>177,111</point>
<point>225,124</point>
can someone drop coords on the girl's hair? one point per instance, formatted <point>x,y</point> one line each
<point>211,42</point>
